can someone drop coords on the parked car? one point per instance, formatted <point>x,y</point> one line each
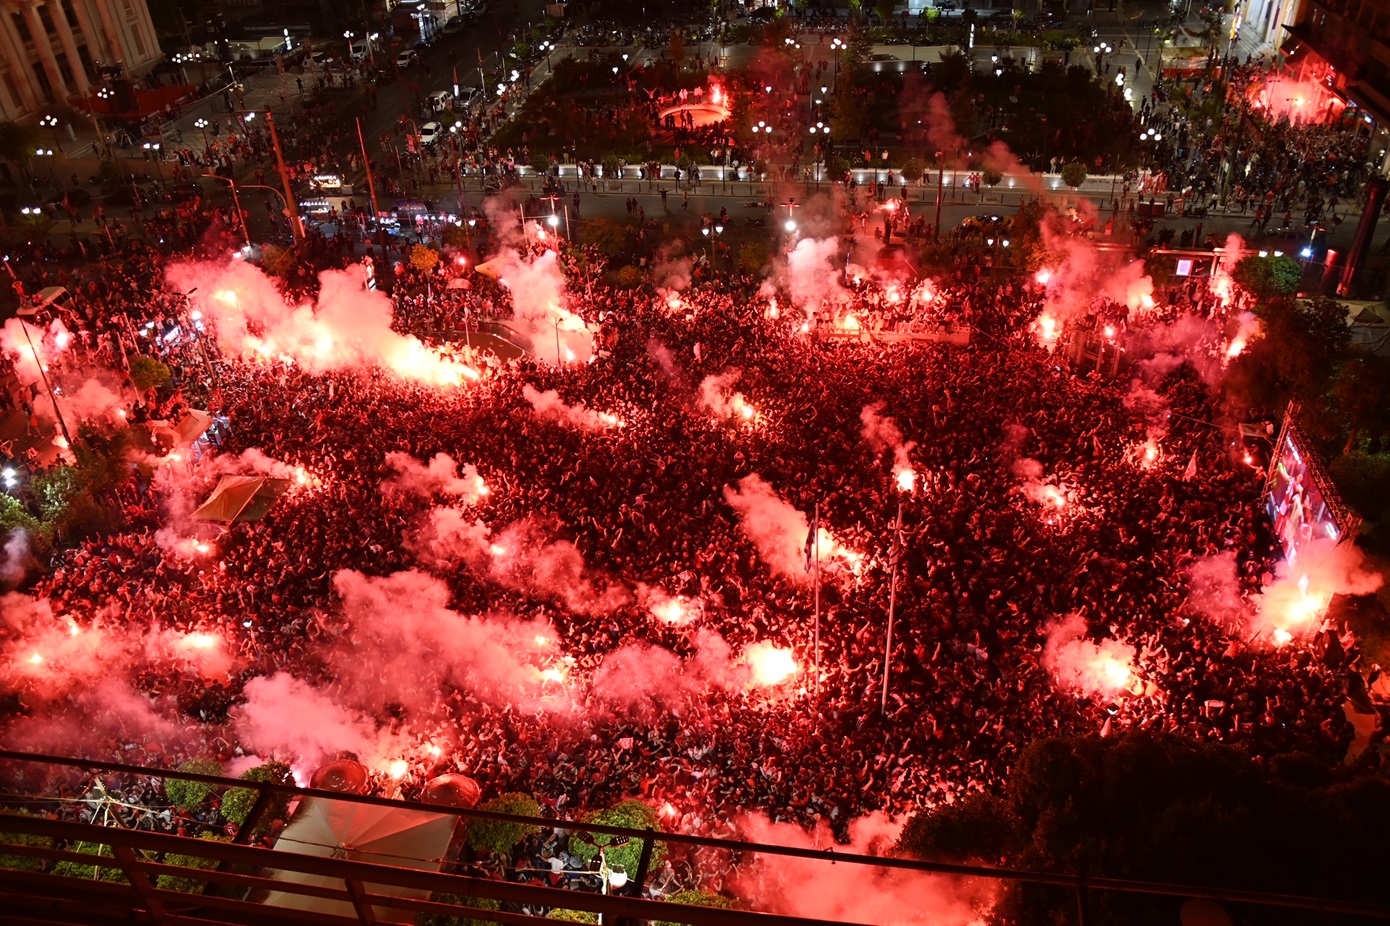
<point>467,98</point>
<point>406,58</point>
<point>453,25</point>
<point>438,101</point>
<point>430,133</point>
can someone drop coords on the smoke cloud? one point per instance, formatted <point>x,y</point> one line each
<point>1077,663</point>
<point>548,406</point>
<point>441,476</point>
<point>348,327</point>
<point>825,890</point>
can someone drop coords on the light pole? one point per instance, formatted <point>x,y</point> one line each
<point>905,480</point>
<point>51,122</point>
<point>47,155</point>
<point>152,150</point>
<point>822,129</point>
<point>202,125</point>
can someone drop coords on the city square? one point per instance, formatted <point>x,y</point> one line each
<point>955,438</point>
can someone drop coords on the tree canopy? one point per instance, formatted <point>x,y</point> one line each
<point>497,836</point>
<point>1165,808</point>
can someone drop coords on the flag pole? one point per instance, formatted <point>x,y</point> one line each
<point>892,602</point>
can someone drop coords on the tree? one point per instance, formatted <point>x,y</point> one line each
<point>697,899</point>
<point>992,177</point>
<point>1267,277</point>
<point>753,256</point>
<point>181,883</point>
<point>424,257</point>
<point>18,141</point>
<point>54,489</point>
<point>628,277</point>
<point>481,904</point>
<point>632,814</point>
<point>1164,808</point>
<point>148,373</point>
<point>14,516</point>
<point>1362,478</point>
<point>23,862</point>
<point>963,112</point>
<point>1361,393</point>
<point>573,916</point>
<point>884,9</point>
<point>97,871</point>
<point>1074,174</point>
<point>237,802</point>
<point>605,235</point>
<point>496,836</point>
<point>912,169</point>
<point>189,795</point>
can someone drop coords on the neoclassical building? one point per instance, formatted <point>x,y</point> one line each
<point>51,50</point>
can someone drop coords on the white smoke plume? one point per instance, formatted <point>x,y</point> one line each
<point>779,532</point>
<point>524,559</point>
<point>347,328</point>
<point>825,890</point>
<point>881,433</point>
<point>717,394</point>
<point>538,299</point>
<point>401,643</point>
<point>1077,663</point>
<point>1293,604</point>
<point>548,406</point>
<point>811,275</point>
<point>1214,589</point>
<point>441,476</point>
<point>287,718</point>
<point>15,558</point>
<point>446,537</point>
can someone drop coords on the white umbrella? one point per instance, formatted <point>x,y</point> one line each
<point>361,833</point>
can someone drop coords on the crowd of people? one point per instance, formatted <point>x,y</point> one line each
<point>983,574</point>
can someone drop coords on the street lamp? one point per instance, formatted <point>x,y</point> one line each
<point>152,149</point>
<point>202,125</point>
<point>51,122</point>
<point>47,155</point>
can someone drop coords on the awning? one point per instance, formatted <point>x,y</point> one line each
<point>147,102</point>
<point>361,833</point>
<point>491,268</point>
<point>242,498</point>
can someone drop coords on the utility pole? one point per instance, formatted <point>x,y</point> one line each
<point>367,162</point>
<point>291,208</point>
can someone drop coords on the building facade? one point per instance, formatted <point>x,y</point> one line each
<point>1344,45</point>
<point>53,52</point>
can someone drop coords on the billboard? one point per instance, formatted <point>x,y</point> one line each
<point>1296,502</point>
<point>1301,499</point>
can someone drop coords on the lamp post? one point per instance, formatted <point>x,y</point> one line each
<point>47,155</point>
<point>152,150</point>
<point>202,125</point>
<point>51,122</point>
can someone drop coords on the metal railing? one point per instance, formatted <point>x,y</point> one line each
<point>135,854</point>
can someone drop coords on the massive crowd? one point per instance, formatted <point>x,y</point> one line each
<point>983,574</point>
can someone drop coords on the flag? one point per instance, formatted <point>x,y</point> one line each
<point>811,538</point>
<point>1191,470</point>
<point>480,59</point>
